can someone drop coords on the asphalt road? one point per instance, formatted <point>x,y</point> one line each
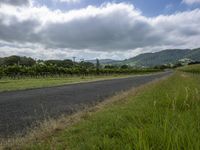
<point>20,110</point>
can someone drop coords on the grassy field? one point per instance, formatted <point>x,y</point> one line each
<point>191,69</point>
<point>159,116</point>
<point>29,83</point>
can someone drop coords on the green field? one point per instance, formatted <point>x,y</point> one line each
<point>8,84</point>
<point>159,116</point>
<point>191,69</point>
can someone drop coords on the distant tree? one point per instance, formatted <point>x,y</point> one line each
<point>27,61</point>
<point>17,60</point>
<point>124,67</point>
<point>53,63</point>
<point>178,65</point>
<point>12,60</point>
<point>12,71</point>
<point>87,65</point>
<point>60,63</point>
<point>110,67</point>
<point>67,63</point>
<point>1,72</point>
<point>1,61</point>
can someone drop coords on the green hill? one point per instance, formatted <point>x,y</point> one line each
<point>163,57</point>
<point>169,56</point>
<point>194,54</point>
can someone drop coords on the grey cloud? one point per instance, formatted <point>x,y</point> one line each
<point>15,2</point>
<point>116,30</point>
<point>19,31</point>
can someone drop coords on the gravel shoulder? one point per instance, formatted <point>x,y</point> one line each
<point>20,110</point>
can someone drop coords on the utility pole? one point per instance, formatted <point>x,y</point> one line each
<point>97,66</point>
<point>74,60</point>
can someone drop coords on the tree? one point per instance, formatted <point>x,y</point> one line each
<point>60,63</point>
<point>12,71</point>
<point>1,61</point>
<point>67,63</point>
<point>17,60</point>
<point>124,67</point>
<point>27,61</point>
<point>12,60</point>
<point>1,72</point>
<point>110,67</point>
<point>87,65</point>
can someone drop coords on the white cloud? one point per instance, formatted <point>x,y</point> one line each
<point>111,30</point>
<point>190,2</point>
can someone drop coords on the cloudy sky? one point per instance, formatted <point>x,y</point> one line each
<point>89,29</point>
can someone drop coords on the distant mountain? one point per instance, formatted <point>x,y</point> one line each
<point>194,54</point>
<point>163,57</point>
<point>169,56</point>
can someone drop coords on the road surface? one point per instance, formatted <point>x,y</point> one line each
<point>20,110</point>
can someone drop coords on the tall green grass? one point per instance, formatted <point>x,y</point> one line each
<point>191,69</point>
<point>161,116</point>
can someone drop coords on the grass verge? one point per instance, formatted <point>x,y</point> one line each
<point>161,115</point>
<point>31,83</point>
<point>191,68</point>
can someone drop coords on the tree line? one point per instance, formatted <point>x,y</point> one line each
<point>17,67</point>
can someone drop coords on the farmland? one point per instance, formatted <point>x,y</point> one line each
<point>160,115</point>
<point>18,73</point>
